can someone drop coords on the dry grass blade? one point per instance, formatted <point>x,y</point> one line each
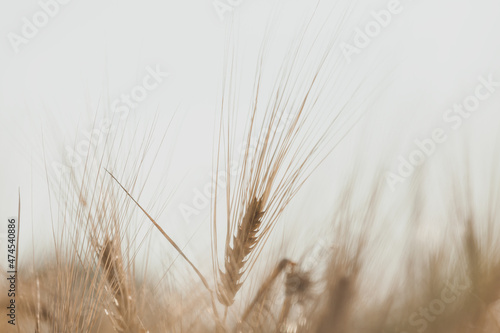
<point>171,241</point>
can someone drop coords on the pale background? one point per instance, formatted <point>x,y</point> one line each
<point>434,50</point>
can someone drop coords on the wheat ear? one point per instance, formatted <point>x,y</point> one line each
<point>287,136</point>
<point>236,254</point>
<point>126,319</point>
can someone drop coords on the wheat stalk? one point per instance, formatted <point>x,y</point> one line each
<point>265,287</point>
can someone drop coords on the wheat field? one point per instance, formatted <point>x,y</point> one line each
<point>407,251</point>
